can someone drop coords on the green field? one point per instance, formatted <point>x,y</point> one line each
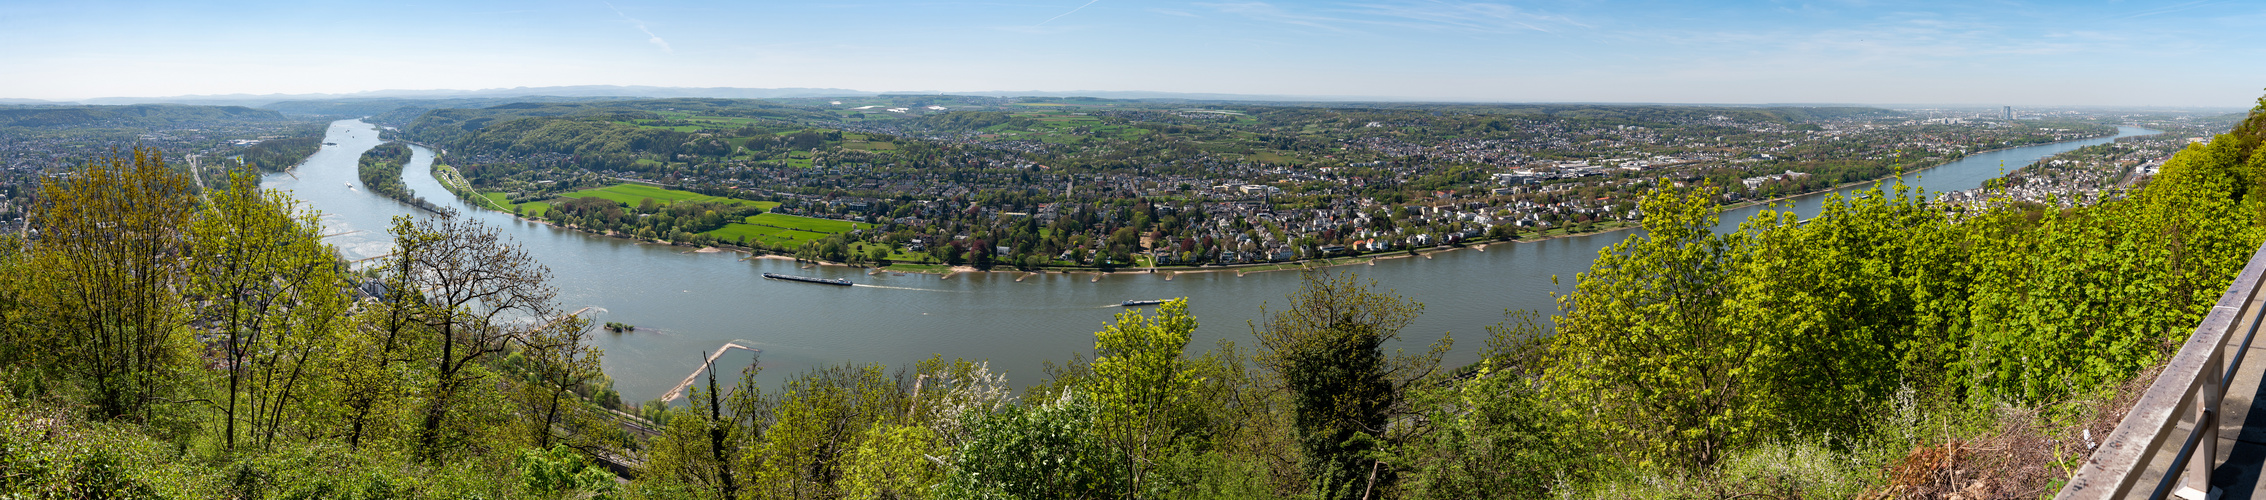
<point>868,146</point>
<point>1271,157</point>
<point>828,226</point>
<point>502,202</point>
<point>631,194</point>
<point>697,122</point>
<point>769,236</point>
<point>780,230</point>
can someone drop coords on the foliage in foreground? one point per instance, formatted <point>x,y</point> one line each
<point>1683,348</point>
<point>1862,352</point>
<point>160,342</point>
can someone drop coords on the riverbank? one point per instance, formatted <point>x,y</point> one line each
<point>1920,170</point>
<point>946,272</point>
<point>695,302</point>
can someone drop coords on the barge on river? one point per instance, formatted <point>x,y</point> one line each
<point>807,279</point>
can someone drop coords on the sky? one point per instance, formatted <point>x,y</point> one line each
<point>1985,52</point>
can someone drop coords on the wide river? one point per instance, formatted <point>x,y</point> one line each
<point>686,303</point>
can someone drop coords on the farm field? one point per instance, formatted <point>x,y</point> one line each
<point>631,194</point>
<point>783,230</point>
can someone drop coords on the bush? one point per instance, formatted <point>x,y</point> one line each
<point>1043,451</point>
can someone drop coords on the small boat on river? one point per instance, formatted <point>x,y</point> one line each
<point>1138,303</point>
<point>807,279</point>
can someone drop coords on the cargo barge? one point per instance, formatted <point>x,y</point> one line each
<point>807,279</point>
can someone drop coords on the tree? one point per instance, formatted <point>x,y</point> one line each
<point>1640,343</point>
<point>389,332</point>
<point>1497,434</point>
<point>15,314</point>
<point>558,361</point>
<point>108,258</point>
<point>481,296</point>
<point>815,425</point>
<point>1036,451</point>
<point>1139,382</point>
<point>703,443</point>
<point>263,279</point>
<point>1328,350</point>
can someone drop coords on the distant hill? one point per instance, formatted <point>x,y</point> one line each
<point>140,115</point>
<point>616,91</point>
<point>396,111</point>
<point>447,125</point>
<point>1162,96</point>
<point>649,92</point>
<point>640,91</point>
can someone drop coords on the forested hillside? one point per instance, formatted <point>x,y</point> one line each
<point>156,345</point>
<point>276,155</point>
<point>138,115</point>
<point>159,346</point>
<point>384,109</point>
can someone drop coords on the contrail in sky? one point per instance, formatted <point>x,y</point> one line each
<point>1072,11</point>
<point>656,39</point>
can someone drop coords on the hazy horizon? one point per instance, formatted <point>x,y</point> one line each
<point>2188,54</point>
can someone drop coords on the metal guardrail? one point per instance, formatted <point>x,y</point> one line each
<point>2189,389</point>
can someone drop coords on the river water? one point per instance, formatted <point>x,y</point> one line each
<point>686,303</point>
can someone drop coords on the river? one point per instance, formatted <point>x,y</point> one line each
<point>686,303</point>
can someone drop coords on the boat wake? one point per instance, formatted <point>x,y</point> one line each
<point>862,285</point>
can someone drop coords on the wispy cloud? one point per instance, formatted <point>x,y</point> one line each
<point>1473,17</point>
<point>1072,11</point>
<point>1468,16</point>
<point>2168,9</point>
<point>651,38</point>
<point>1037,30</point>
<point>1269,12</point>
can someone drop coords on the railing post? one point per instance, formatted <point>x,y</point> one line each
<point>2209,392</point>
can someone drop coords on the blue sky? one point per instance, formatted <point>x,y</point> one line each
<point>2205,53</point>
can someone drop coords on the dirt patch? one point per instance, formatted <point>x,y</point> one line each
<point>2023,457</point>
<point>2016,461</point>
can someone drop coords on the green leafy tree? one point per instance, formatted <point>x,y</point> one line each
<point>270,289</point>
<point>107,268</point>
<point>1141,384</point>
<point>560,472</point>
<point>815,423</point>
<point>1327,349</point>
<point>476,288</point>
<point>2067,300</point>
<point>1497,433</point>
<point>1846,309</point>
<point>374,365</point>
<point>559,362</point>
<point>1043,451</point>
<point>1642,351</point>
